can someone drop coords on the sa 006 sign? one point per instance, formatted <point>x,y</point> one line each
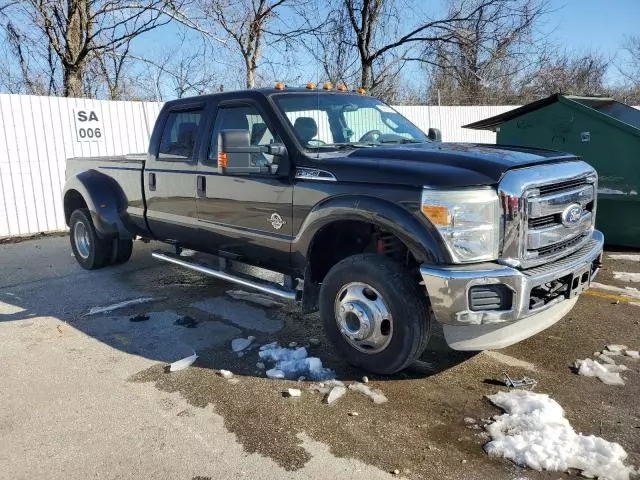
<point>88,126</point>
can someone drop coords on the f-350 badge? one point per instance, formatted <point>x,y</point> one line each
<point>276,221</point>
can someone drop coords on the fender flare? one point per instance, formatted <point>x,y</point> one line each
<point>104,198</point>
<point>419,235</point>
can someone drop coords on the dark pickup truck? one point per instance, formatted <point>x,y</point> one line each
<point>358,212</point>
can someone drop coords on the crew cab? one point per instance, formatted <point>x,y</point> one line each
<point>358,212</point>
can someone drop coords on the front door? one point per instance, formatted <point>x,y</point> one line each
<point>246,216</point>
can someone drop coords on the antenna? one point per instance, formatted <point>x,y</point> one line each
<point>317,89</point>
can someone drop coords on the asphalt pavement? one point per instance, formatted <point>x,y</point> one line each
<point>88,396</point>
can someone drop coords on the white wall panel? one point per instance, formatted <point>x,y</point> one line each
<point>37,135</point>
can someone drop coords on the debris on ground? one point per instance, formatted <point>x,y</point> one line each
<point>353,414</point>
<point>293,363</point>
<point>225,374</point>
<point>187,322</point>
<point>139,318</point>
<point>607,373</point>
<point>257,298</point>
<point>239,344</point>
<point>335,393</point>
<point>183,363</point>
<point>365,379</point>
<point>534,433</point>
<point>314,342</point>
<point>626,276</point>
<point>116,306</point>
<point>518,382</point>
<point>292,392</point>
<point>396,472</point>
<point>376,396</point>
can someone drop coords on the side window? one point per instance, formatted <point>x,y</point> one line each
<point>178,139</point>
<point>244,117</point>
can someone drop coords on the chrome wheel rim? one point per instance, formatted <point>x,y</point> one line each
<point>363,317</point>
<point>81,239</point>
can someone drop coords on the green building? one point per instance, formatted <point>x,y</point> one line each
<point>605,133</point>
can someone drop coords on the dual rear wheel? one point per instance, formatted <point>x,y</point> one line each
<point>91,250</point>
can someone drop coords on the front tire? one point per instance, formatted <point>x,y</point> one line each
<point>375,313</point>
<point>90,250</point>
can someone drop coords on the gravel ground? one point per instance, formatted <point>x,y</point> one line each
<point>88,395</point>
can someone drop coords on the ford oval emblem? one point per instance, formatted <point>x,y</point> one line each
<point>572,215</point>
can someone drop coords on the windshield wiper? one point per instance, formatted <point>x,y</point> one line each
<point>401,141</point>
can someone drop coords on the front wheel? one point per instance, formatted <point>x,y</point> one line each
<point>375,313</point>
<point>90,250</point>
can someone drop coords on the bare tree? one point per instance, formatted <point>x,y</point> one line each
<point>489,48</point>
<point>78,31</point>
<point>581,74</point>
<point>246,23</point>
<point>630,65</point>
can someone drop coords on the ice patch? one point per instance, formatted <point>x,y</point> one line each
<point>183,363</point>
<point>627,276</point>
<point>376,396</point>
<point>293,363</point>
<point>534,433</point>
<point>624,256</point>
<point>257,298</point>
<point>242,315</point>
<point>335,393</point>
<point>239,344</point>
<point>607,373</point>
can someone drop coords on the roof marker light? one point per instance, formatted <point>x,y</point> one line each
<point>279,86</point>
<point>311,86</point>
<point>342,87</point>
<point>327,86</point>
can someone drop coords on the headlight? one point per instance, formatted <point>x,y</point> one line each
<point>467,221</point>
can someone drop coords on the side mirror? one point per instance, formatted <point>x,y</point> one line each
<point>236,153</point>
<point>434,135</point>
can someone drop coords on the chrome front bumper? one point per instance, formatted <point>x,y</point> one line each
<point>448,287</point>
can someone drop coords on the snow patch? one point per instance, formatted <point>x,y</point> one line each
<point>607,373</point>
<point>534,433</point>
<point>624,256</point>
<point>376,396</point>
<point>632,353</point>
<point>116,306</point>
<point>627,276</point>
<point>628,291</point>
<point>293,363</point>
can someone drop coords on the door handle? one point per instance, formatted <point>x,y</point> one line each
<point>152,181</point>
<point>201,183</point>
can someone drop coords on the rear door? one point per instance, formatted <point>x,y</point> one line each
<point>170,176</point>
<point>247,216</point>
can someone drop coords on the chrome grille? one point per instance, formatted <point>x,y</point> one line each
<point>534,202</point>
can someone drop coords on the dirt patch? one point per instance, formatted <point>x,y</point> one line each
<point>32,236</point>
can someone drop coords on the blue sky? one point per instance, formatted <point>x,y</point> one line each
<point>595,24</point>
<point>576,25</point>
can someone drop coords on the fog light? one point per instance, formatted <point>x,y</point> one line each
<point>490,297</point>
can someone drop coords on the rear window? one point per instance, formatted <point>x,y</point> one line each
<point>179,135</point>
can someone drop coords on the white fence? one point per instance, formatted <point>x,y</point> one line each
<point>37,134</point>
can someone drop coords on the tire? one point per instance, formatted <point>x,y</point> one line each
<point>90,250</point>
<point>406,319</point>
<point>121,250</point>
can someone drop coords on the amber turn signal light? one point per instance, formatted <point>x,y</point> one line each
<point>223,160</point>
<point>438,214</point>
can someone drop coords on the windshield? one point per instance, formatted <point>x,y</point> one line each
<point>332,121</point>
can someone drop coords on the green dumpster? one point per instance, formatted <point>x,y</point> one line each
<point>604,132</point>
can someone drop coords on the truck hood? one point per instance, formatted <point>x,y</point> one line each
<point>441,164</point>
